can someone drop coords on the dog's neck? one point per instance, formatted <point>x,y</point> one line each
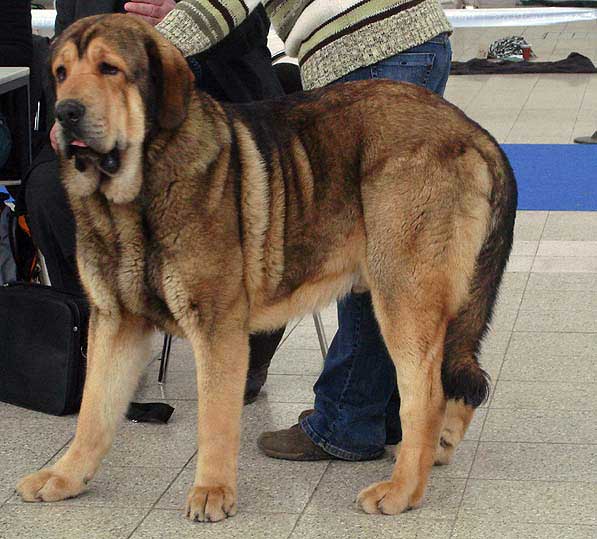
<point>198,140</point>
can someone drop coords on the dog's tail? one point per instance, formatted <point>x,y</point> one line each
<point>462,376</point>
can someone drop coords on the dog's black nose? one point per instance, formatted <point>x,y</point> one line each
<point>69,112</point>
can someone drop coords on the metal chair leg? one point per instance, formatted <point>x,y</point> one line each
<point>587,140</point>
<point>164,358</point>
<point>323,343</point>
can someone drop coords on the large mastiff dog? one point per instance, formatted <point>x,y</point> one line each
<point>211,221</point>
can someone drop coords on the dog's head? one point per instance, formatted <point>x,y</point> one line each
<point>116,79</point>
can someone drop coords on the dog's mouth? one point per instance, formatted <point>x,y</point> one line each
<point>108,163</point>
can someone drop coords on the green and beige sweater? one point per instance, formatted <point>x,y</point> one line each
<point>330,38</point>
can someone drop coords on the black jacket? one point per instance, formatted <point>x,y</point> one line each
<point>16,48</point>
<point>238,69</point>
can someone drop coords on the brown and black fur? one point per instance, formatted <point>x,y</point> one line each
<point>221,220</point>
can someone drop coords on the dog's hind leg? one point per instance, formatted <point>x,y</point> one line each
<point>222,358</point>
<point>118,349</point>
<point>414,331</point>
<point>456,421</point>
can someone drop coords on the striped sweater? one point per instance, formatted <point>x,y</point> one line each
<point>330,38</point>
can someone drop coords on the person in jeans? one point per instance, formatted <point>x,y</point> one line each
<point>356,404</point>
<point>237,70</point>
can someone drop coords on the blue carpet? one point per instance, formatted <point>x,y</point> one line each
<point>555,176</point>
<point>3,189</point>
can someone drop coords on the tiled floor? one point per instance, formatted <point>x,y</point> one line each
<point>528,466</point>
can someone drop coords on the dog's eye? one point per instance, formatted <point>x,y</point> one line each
<point>60,73</point>
<point>108,69</point>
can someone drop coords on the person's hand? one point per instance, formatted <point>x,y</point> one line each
<point>153,11</point>
<point>53,139</point>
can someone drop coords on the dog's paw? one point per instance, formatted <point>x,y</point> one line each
<point>210,504</point>
<point>48,485</point>
<point>444,453</point>
<point>386,498</point>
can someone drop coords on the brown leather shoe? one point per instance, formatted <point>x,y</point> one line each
<point>292,444</point>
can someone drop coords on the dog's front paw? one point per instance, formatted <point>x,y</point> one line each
<point>48,485</point>
<point>386,497</point>
<point>210,504</point>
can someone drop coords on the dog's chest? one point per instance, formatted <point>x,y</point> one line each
<point>112,254</point>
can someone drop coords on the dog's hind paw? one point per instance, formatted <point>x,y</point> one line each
<point>210,504</point>
<point>48,485</point>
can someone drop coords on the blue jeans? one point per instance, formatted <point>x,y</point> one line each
<point>356,394</point>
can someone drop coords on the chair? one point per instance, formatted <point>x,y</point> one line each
<point>167,347</point>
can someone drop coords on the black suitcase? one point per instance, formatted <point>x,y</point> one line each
<point>43,344</point>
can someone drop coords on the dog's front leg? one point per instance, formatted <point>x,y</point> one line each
<point>118,349</point>
<point>222,358</point>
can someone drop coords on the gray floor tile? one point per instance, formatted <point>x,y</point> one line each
<point>533,462</point>
<point>557,321</point>
<point>160,524</point>
<point>492,363</point>
<point>289,388</point>
<point>538,367</point>
<point>504,319</point>
<point>266,416</point>
<point>10,475</point>
<point>144,444</point>
<point>148,450</point>
<point>496,343</point>
<point>519,264</point>
<point>525,248</point>
<point>535,502</point>
<point>460,467</point>
<point>562,281</point>
<point>467,528</point>
<point>264,486</point>
<point>474,429</point>
<point>529,225</point>
<point>331,526</point>
<point>533,126</point>
<point>559,300</point>
<point>554,395</point>
<point>514,282</point>
<point>567,248</point>
<point>571,226</point>
<point>180,385</point>
<point>9,411</point>
<point>342,482</point>
<point>299,362</point>
<point>28,444</point>
<point>509,298</point>
<point>548,425</point>
<point>305,338</point>
<point>565,264</point>
<point>117,486</point>
<point>552,344</point>
<point>46,521</point>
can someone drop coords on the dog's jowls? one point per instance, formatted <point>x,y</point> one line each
<point>211,221</point>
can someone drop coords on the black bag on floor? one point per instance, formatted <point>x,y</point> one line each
<point>43,333</point>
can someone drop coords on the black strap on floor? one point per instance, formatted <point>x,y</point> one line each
<point>575,63</point>
<point>149,412</point>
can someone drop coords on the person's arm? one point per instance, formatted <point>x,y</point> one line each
<point>194,26</point>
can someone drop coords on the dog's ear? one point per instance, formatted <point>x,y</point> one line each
<point>173,81</point>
